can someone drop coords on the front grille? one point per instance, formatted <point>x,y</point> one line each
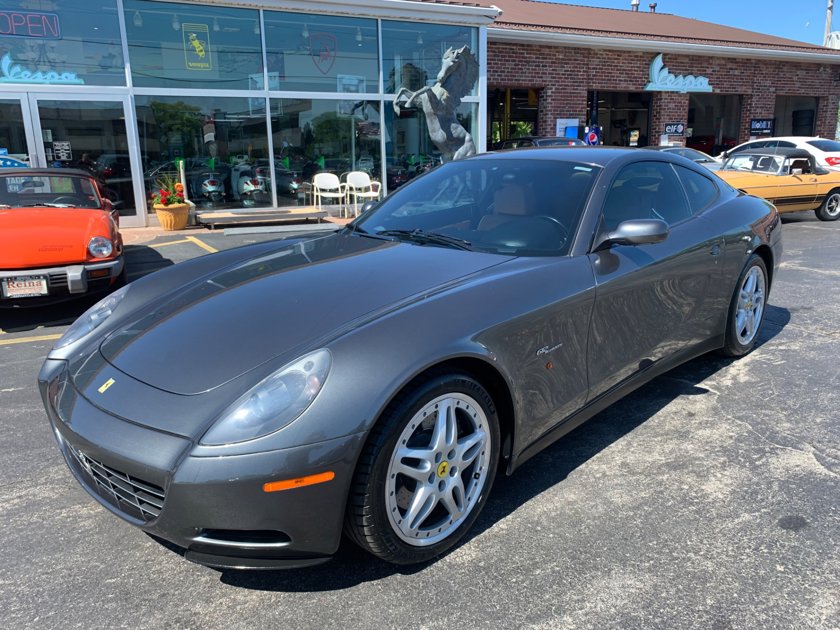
<point>58,280</point>
<point>135,497</point>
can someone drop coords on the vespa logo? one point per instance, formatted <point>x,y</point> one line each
<point>661,80</point>
<point>322,50</point>
<point>12,73</point>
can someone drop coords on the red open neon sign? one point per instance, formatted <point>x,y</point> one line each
<point>30,24</point>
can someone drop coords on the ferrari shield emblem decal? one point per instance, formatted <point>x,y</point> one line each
<point>104,387</point>
<point>322,50</point>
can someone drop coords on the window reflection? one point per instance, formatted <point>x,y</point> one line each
<point>61,42</point>
<point>412,52</point>
<point>223,143</point>
<point>312,136</point>
<point>321,53</point>
<point>193,46</point>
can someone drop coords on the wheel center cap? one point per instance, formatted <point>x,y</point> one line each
<point>442,469</point>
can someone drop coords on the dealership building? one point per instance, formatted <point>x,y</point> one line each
<point>130,88</point>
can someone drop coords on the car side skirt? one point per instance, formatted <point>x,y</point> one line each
<point>611,396</point>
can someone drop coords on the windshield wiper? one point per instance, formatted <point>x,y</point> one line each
<point>421,236</point>
<point>52,205</point>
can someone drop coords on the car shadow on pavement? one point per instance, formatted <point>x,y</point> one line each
<point>141,260</point>
<point>351,566</point>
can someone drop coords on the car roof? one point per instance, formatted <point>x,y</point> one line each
<point>23,172</point>
<point>601,155</point>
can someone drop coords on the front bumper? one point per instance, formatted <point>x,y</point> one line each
<point>214,508</point>
<point>69,280</point>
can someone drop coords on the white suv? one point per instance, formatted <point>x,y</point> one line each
<point>826,152</point>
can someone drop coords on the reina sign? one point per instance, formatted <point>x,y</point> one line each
<point>10,73</point>
<point>661,80</point>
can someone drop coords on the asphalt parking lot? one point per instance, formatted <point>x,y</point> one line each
<point>707,499</point>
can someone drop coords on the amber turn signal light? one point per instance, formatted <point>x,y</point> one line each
<point>300,482</point>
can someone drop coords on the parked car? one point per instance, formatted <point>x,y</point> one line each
<point>826,152</point>
<point>536,141</point>
<point>790,179</point>
<point>694,155</point>
<point>59,237</point>
<point>374,379</point>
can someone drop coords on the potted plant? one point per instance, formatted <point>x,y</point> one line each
<point>168,202</point>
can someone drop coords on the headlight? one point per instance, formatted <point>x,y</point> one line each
<point>92,318</point>
<point>100,247</point>
<point>273,403</point>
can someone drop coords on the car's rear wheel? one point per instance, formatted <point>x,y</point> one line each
<point>426,470</point>
<point>830,208</point>
<point>746,311</point>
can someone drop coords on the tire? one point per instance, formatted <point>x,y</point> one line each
<point>406,509</point>
<point>746,310</point>
<point>830,208</point>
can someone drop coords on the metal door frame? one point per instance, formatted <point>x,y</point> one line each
<point>32,98</point>
<point>26,114</point>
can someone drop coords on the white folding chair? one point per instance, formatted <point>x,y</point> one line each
<point>328,186</point>
<point>360,186</point>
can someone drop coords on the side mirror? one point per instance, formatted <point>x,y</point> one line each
<point>636,232</point>
<point>368,205</point>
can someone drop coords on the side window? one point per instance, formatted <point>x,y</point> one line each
<point>786,145</point>
<point>645,190</point>
<point>749,146</point>
<point>701,190</point>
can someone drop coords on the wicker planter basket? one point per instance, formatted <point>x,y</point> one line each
<point>175,216</point>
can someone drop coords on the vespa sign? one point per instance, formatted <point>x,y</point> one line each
<point>661,80</point>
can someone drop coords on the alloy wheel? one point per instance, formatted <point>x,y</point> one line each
<point>438,469</point>
<point>750,308</point>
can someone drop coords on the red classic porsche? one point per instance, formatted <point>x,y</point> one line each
<point>59,237</point>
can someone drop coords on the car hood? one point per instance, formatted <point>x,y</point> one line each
<point>40,237</point>
<point>278,306</point>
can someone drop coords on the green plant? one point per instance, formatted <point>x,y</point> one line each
<point>170,191</point>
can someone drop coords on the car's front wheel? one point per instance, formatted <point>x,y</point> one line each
<point>830,208</point>
<point>426,470</point>
<point>746,310</point>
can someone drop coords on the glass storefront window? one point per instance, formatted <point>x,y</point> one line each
<point>412,52</point>
<point>311,136</point>
<point>408,148</point>
<point>321,53</point>
<point>223,143</point>
<point>61,42</point>
<point>90,135</point>
<point>193,46</point>
<point>12,133</point>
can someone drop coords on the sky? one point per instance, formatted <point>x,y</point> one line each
<point>802,20</point>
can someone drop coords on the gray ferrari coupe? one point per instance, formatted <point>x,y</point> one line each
<point>250,406</point>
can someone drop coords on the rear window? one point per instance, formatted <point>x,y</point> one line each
<point>826,145</point>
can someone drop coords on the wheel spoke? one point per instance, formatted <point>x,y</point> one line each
<point>454,498</point>
<point>469,448</point>
<point>422,504</point>
<point>445,432</point>
<point>414,463</point>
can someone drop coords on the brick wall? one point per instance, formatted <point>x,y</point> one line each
<point>565,75</point>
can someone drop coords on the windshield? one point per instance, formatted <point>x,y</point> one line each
<point>498,205</point>
<point>750,162</point>
<point>48,191</point>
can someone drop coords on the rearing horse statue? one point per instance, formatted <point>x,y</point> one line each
<point>458,73</point>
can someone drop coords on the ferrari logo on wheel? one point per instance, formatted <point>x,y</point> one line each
<point>443,468</point>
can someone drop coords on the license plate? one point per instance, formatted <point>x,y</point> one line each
<point>24,286</point>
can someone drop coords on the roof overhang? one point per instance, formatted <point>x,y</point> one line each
<point>553,38</point>
<point>385,9</point>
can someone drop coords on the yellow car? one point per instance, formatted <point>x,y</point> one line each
<point>789,178</point>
